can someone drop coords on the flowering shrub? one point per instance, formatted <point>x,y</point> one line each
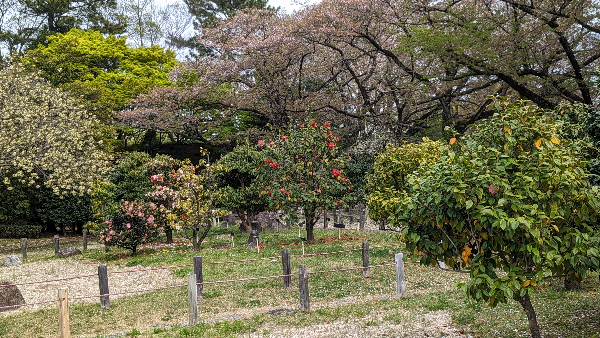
<point>304,168</point>
<point>133,224</point>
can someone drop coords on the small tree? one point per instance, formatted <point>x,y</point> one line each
<point>388,182</point>
<point>304,168</point>
<point>133,224</point>
<point>236,187</point>
<point>512,195</point>
<point>187,200</point>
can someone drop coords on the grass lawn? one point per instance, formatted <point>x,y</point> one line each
<point>342,303</point>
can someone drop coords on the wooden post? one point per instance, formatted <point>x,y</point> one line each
<point>335,216</point>
<point>325,219</point>
<point>56,244</point>
<point>303,285</point>
<point>192,299</point>
<point>365,259</point>
<point>400,287</point>
<point>85,233</point>
<point>24,248</point>
<point>103,283</point>
<point>199,276</point>
<point>361,220</point>
<point>287,268</point>
<point>382,225</point>
<point>63,313</point>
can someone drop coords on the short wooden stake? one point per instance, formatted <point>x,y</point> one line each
<point>302,248</point>
<point>232,242</point>
<point>257,246</point>
<point>361,220</point>
<point>56,244</point>
<point>339,232</point>
<point>303,285</point>
<point>103,284</point>
<point>192,299</point>
<point>287,269</point>
<point>400,287</point>
<point>199,276</point>
<point>365,259</point>
<point>24,249</point>
<point>63,313</point>
<point>85,233</point>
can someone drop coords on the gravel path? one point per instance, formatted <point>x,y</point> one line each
<point>80,287</point>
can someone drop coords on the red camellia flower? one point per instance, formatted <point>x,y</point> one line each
<point>314,124</point>
<point>267,161</point>
<point>261,143</point>
<point>345,180</point>
<point>274,165</point>
<point>492,190</point>
<point>336,172</point>
<point>338,203</point>
<point>330,134</point>
<point>326,124</point>
<point>287,193</point>
<point>282,190</point>
<point>318,191</point>
<point>269,192</point>
<point>302,125</point>
<point>330,145</point>
<point>283,137</point>
<point>337,139</point>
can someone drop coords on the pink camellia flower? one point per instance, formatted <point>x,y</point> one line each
<point>282,190</point>
<point>151,218</point>
<point>108,222</point>
<point>283,137</point>
<point>492,190</point>
<point>330,145</point>
<point>337,139</point>
<point>345,180</point>
<point>128,225</point>
<point>326,124</point>
<point>336,172</point>
<point>271,143</point>
<point>318,191</point>
<point>261,143</point>
<point>302,125</point>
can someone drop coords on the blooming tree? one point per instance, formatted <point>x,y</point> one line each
<point>45,134</point>
<point>133,223</point>
<point>304,168</point>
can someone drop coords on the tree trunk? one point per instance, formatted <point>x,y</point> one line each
<point>245,225</point>
<point>169,233</point>
<point>195,243</point>
<point>134,251</point>
<point>531,318</point>
<point>310,225</point>
<point>204,234</point>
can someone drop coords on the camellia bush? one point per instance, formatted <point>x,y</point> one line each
<point>510,202</point>
<point>304,168</point>
<point>133,224</point>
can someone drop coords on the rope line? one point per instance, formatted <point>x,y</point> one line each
<point>29,304</point>
<point>48,281</point>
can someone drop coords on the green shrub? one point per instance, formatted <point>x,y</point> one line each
<point>20,230</point>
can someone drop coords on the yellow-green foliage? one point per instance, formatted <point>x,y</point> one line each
<point>388,182</point>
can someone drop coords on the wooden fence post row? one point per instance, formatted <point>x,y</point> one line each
<point>56,244</point>
<point>199,276</point>
<point>287,268</point>
<point>63,313</point>
<point>303,286</point>
<point>192,299</point>
<point>85,233</point>
<point>24,249</point>
<point>400,287</point>
<point>365,259</point>
<point>103,284</point>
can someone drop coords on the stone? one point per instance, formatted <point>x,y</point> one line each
<point>269,220</point>
<point>10,296</point>
<point>66,252</point>
<point>12,260</point>
<point>252,240</point>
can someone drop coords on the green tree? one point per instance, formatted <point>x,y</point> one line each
<point>236,184</point>
<point>47,136</point>
<point>304,168</point>
<point>511,202</point>
<point>103,70</point>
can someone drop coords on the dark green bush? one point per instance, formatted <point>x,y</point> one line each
<point>20,230</point>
